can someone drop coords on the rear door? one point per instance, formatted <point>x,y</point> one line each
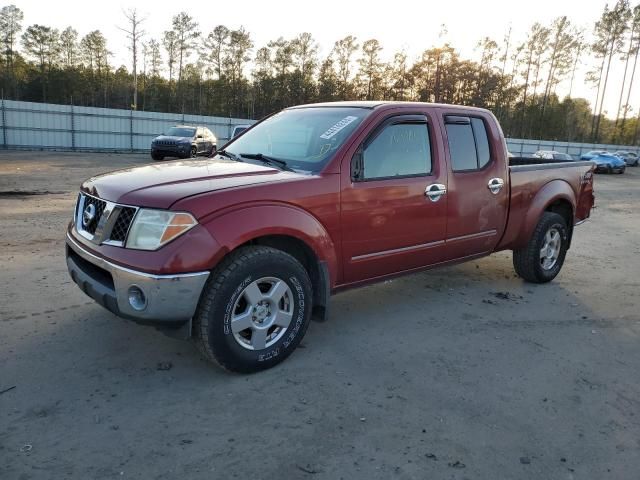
<point>211,141</point>
<point>478,191</point>
<point>393,199</point>
<point>200,140</point>
<point>586,198</point>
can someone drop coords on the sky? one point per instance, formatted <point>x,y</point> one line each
<point>411,25</point>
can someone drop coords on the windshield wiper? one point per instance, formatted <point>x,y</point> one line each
<point>268,160</point>
<point>232,156</point>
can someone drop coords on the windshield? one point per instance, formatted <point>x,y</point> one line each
<point>181,132</point>
<point>305,138</point>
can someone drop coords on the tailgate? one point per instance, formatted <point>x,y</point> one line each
<point>586,198</point>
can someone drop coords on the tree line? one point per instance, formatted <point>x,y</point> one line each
<point>224,73</point>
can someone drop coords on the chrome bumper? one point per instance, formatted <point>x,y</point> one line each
<point>170,299</point>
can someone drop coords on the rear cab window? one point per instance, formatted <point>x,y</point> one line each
<point>468,142</point>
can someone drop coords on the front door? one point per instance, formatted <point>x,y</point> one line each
<point>394,205</point>
<point>478,193</point>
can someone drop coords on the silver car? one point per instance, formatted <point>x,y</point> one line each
<point>630,158</point>
<point>553,155</point>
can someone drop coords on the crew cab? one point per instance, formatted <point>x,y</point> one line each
<point>242,250</point>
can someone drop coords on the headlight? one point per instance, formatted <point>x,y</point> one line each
<point>153,228</point>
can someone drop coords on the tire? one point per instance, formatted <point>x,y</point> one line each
<point>528,261</point>
<point>157,156</point>
<point>225,300</point>
<point>194,152</point>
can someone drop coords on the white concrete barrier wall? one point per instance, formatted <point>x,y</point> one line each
<point>44,126</point>
<point>525,147</point>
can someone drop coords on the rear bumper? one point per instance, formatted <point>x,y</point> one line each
<point>171,300</point>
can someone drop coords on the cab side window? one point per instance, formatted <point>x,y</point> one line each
<point>468,143</point>
<point>398,150</point>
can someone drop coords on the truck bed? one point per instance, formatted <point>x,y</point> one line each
<point>527,161</point>
<point>530,176</point>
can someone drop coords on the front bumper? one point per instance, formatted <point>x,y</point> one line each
<point>172,150</point>
<point>171,300</point>
<point>609,169</point>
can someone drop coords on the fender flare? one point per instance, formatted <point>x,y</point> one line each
<point>550,193</point>
<point>236,227</point>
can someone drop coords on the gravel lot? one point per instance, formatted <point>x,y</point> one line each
<point>463,373</point>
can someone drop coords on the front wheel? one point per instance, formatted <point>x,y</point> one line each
<point>254,311</point>
<point>194,152</point>
<point>541,260</point>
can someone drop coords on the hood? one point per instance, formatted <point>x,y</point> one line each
<point>161,184</point>
<point>171,138</point>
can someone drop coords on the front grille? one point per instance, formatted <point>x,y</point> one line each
<point>99,205</point>
<point>114,220</point>
<point>122,224</point>
<point>166,142</point>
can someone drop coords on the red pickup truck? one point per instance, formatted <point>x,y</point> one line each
<point>240,251</point>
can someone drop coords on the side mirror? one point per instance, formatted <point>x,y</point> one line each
<point>199,136</point>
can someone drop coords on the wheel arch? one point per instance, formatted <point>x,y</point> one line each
<point>566,210</point>
<point>286,228</point>
<point>316,268</point>
<point>556,196</point>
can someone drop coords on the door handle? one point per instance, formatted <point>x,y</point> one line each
<point>435,191</point>
<point>495,185</point>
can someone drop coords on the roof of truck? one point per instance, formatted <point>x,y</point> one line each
<point>372,104</point>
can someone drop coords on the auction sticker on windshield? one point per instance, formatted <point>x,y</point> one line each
<point>337,127</point>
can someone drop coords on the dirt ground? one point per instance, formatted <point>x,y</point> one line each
<point>459,373</point>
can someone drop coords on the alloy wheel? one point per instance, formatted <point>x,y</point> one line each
<point>550,250</point>
<point>262,313</point>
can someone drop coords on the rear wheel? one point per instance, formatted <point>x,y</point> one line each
<point>541,260</point>
<point>254,310</point>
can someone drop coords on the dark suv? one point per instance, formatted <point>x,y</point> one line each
<point>183,142</point>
